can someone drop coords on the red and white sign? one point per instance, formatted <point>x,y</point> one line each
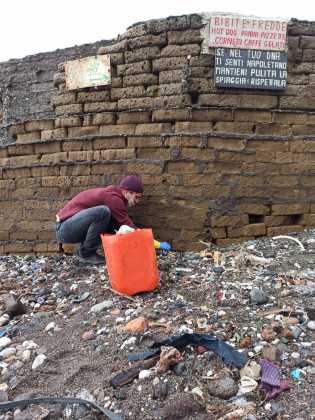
<point>235,31</point>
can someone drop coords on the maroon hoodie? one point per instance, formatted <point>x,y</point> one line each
<point>110,196</point>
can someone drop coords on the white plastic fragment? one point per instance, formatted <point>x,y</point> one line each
<point>290,237</point>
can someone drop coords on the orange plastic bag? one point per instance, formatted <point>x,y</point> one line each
<point>131,261</point>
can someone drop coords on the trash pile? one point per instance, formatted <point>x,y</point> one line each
<point>229,334</point>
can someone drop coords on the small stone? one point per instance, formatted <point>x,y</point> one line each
<point>38,361</point>
<point>270,353</point>
<point>296,331</point>
<point>146,373</point>
<point>160,390</point>
<point>258,296</point>
<point>7,352</point>
<point>311,325</point>
<point>197,391</point>
<point>137,325</point>
<point>5,342</point>
<point>4,319</point>
<point>295,355</point>
<point>268,334</point>
<point>50,326</point>
<point>13,305</point>
<point>224,387</point>
<point>99,307</point>
<point>88,335</point>
<point>26,355</point>
<point>3,396</point>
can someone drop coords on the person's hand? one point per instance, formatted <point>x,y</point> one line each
<point>165,246</point>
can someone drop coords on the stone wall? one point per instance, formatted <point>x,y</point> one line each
<point>219,165</point>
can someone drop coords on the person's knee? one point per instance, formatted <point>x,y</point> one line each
<point>103,213</point>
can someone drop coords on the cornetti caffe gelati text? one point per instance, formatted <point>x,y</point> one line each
<point>237,32</point>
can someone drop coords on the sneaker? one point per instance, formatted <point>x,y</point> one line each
<point>94,259</point>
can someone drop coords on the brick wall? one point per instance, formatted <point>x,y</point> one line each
<point>221,165</point>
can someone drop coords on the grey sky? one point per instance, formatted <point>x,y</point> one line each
<point>33,26</point>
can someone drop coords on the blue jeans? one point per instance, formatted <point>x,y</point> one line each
<point>85,227</point>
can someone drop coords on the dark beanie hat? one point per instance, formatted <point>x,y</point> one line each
<point>132,183</point>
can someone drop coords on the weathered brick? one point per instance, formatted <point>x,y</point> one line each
<point>147,40</point>
<point>149,103</point>
<point>4,236</point>
<point>117,154</point>
<point>234,127</point>
<point>141,54</point>
<point>45,171</point>
<point>134,68</point>
<point>196,153</point>
<point>68,109</point>
<point>28,137</point>
<point>154,128</point>
<point>307,42</point>
<point>144,141</point>
<point>180,50</point>
<point>114,130</point>
<point>83,131</point>
<point>17,173</point>
<point>59,181</point>
<point>268,145</point>
<point>171,76</point>
<point>277,220</point>
<point>307,129</point>
<point>308,219</point>
<point>4,161</point>
<point>68,122</point>
<point>145,79</point>
<point>109,143</point>
<point>229,241</point>
<point>229,220</point>
<point>255,229</point>
<point>7,184</point>
<point>18,149</point>
<point>200,179</point>
<point>77,145</point>
<point>38,125</point>
<point>4,152</point>
<point>170,63</point>
<point>200,115</point>
<point>290,208</point>
<point>218,233</point>
<point>171,115</point>
<point>283,230</point>
<point>98,96</point>
<point>16,129</point>
<point>117,58</point>
<point>78,181</point>
<point>64,98</point>
<point>273,129</point>
<point>218,100</point>
<point>289,102</point>
<point>164,90</point>
<point>258,101</point>
<point>100,106</point>
<point>83,155</point>
<point>193,127</point>
<point>226,144</point>
<point>128,92</point>
<point>113,48</point>
<point>134,117</point>
<point>75,170</point>
<point>289,117</point>
<point>308,180</point>
<point>144,168</point>
<point>189,36</point>
<point>18,247</point>
<point>181,141</point>
<point>110,168</point>
<point>255,116</point>
<point>153,154</point>
<point>253,208</point>
<point>54,157</point>
<point>51,147</point>
<point>181,167</point>
<point>58,133</point>
<point>103,118</point>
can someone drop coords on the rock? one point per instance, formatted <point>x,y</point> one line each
<point>258,296</point>
<point>296,331</point>
<point>26,355</point>
<point>88,335</point>
<point>99,307</point>
<point>271,353</point>
<point>4,319</point>
<point>38,361</point>
<point>224,387</point>
<point>311,325</point>
<point>13,305</point>
<point>5,342</point>
<point>197,391</point>
<point>3,396</point>
<point>160,390</point>
<point>183,406</point>
<point>268,334</point>
<point>7,352</point>
<point>50,326</point>
<point>179,369</point>
<point>37,412</point>
<point>146,373</point>
<point>251,370</point>
<point>136,326</point>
